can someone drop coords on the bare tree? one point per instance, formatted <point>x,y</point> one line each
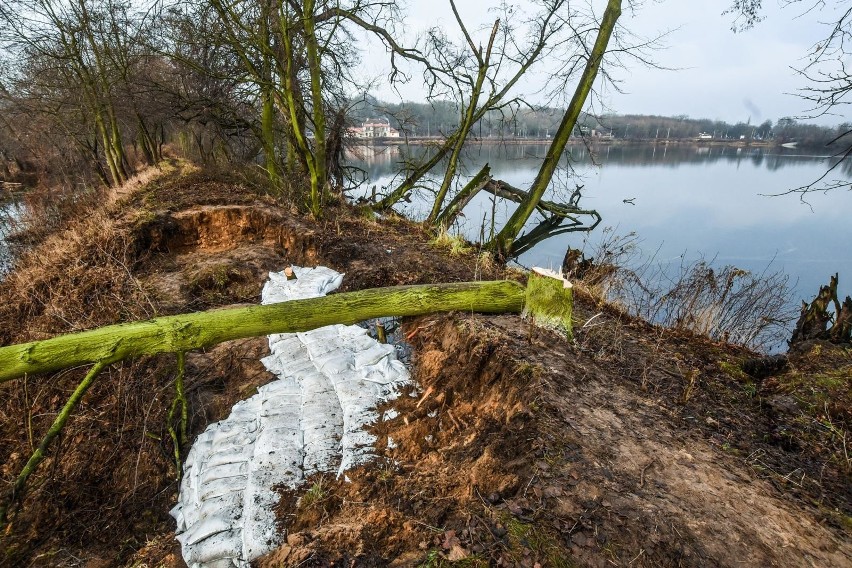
<point>73,62</point>
<point>505,242</point>
<point>827,78</point>
<point>298,58</point>
<point>207,91</point>
<point>480,80</point>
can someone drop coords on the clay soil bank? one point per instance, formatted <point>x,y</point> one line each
<point>631,446</point>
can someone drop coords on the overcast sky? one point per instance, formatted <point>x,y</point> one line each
<point>719,74</point>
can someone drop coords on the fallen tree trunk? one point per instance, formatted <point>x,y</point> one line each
<point>558,218</point>
<point>507,191</point>
<point>547,300</point>
<point>182,333</point>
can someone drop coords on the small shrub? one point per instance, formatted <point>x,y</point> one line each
<point>314,495</point>
<point>724,303</point>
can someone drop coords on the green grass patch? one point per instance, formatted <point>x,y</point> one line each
<point>434,559</point>
<point>527,535</point>
<point>314,495</point>
<point>454,244</point>
<point>734,371</point>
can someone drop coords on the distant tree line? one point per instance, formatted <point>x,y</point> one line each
<point>91,90</point>
<point>826,78</point>
<point>439,117</point>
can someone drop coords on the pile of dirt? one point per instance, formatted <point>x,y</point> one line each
<point>632,445</point>
<point>526,450</point>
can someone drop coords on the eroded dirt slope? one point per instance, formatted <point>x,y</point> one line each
<point>186,241</point>
<point>526,451</point>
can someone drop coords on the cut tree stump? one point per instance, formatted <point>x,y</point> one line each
<point>550,301</point>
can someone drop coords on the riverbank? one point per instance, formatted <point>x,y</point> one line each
<point>632,445</point>
<point>595,141</point>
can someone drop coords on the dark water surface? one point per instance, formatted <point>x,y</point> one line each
<point>685,202</point>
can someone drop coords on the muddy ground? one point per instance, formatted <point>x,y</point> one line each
<point>631,446</point>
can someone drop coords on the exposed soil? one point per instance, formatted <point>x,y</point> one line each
<point>526,450</point>
<point>632,445</point>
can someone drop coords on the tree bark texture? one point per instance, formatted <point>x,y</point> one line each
<point>550,301</point>
<point>814,319</point>
<point>176,334</point>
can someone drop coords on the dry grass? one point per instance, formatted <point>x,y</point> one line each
<point>75,269</point>
<point>453,244</point>
<point>723,303</point>
<point>78,279</point>
<point>112,466</point>
<point>145,177</point>
<point>50,211</point>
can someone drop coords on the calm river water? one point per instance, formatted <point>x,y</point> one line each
<point>683,201</point>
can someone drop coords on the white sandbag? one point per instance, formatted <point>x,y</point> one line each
<point>310,420</point>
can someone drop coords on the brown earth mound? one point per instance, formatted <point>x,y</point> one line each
<point>525,450</point>
<point>631,446</point>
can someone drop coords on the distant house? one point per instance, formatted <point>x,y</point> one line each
<point>596,134</point>
<point>371,128</point>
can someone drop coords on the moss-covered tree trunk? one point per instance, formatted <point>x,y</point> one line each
<point>175,334</point>
<point>547,300</point>
<point>318,173</point>
<point>502,243</point>
<point>463,197</point>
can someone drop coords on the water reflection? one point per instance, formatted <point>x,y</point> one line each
<point>386,160</point>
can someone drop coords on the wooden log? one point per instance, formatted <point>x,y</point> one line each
<point>841,331</point>
<point>500,188</point>
<point>547,300</point>
<point>182,333</point>
<point>381,333</point>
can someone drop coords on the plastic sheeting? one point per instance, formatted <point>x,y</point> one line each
<point>309,420</point>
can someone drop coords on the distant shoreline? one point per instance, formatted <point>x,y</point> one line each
<point>427,140</point>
